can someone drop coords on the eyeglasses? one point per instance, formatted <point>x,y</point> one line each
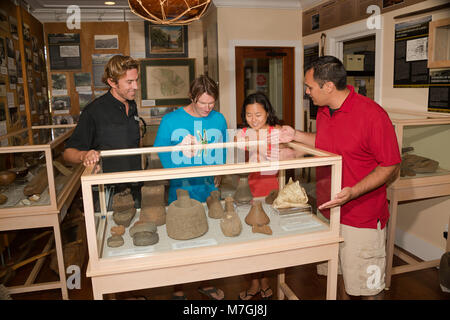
<point>203,104</point>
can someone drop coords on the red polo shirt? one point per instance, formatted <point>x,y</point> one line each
<point>362,133</point>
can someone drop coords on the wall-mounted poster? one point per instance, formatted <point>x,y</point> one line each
<point>60,104</point>
<point>64,51</point>
<point>84,98</point>
<point>102,41</point>
<point>439,92</point>
<point>411,53</point>
<point>82,81</point>
<point>163,41</point>
<point>59,84</point>
<point>98,67</point>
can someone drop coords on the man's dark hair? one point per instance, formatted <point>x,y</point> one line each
<point>329,68</point>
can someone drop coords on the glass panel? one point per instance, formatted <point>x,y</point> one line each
<point>139,202</point>
<point>420,155</point>
<point>28,183</point>
<point>265,75</point>
<point>153,194</point>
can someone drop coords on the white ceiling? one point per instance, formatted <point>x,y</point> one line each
<point>94,10</point>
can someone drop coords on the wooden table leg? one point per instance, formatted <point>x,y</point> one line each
<point>60,258</point>
<point>281,277</point>
<point>393,210</point>
<point>332,275</point>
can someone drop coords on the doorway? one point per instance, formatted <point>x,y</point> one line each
<point>269,70</point>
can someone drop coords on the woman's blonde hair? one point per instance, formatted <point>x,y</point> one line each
<point>117,66</point>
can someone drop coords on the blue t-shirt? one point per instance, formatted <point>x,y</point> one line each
<point>172,129</point>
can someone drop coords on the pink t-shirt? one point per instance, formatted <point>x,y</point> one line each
<point>261,183</point>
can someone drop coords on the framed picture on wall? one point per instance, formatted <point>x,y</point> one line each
<point>163,41</point>
<point>165,82</point>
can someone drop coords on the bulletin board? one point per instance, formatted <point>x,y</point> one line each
<point>73,87</point>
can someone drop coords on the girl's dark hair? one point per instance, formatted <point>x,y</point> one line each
<point>329,68</point>
<point>262,99</point>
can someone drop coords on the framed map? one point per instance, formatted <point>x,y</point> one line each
<point>165,82</point>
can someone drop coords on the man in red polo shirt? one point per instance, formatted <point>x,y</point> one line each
<point>359,130</point>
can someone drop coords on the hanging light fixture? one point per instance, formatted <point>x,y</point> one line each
<point>174,12</point>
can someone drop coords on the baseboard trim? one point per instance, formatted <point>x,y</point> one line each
<point>418,247</point>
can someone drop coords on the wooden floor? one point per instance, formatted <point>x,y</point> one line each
<point>303,280</point>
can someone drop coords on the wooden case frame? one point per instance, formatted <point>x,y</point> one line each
<point>139,271</point>
<point>50,215</point>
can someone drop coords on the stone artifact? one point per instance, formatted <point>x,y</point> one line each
<point>186,217</point>
<point>115,241</point>
<point>38,183</point>
<point>230,224</point>
<point>7,177</point>
<point>144,234</point>
<point>117,230</point>
<point>413,164</point>
<point>215,209</point>
<point>292,195</point>
<point>153,204</point>
<point>123,200</point>
<point>271,196</point>
<point>243,193</point>
<point>258,219</point>
<point>3,198</point>
<point>228,186</point>
<point>123,206</point>
<point>229,204</point>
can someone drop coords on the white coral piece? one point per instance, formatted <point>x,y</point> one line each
<point>292,195</point>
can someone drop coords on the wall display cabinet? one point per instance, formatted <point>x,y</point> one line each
<point>296,236</point>
<point>439,44</point>
<point>36,188</point>
<point>425,173</point>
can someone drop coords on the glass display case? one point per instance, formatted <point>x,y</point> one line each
<point>419,135</point>
<point>424,173</point>
<point>34,177</point>
<point>36,188</point>
<point>163,242</point>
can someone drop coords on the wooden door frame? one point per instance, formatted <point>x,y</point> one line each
<point>288,78</point>
<point>334,47</point>
<point>298,74</point>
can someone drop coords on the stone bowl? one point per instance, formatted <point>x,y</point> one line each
<point>7,177</point>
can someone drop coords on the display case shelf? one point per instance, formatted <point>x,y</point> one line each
<point>40,192</point>
<point>296,238</point>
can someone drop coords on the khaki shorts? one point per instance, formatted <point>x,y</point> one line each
<point>362,260</point>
